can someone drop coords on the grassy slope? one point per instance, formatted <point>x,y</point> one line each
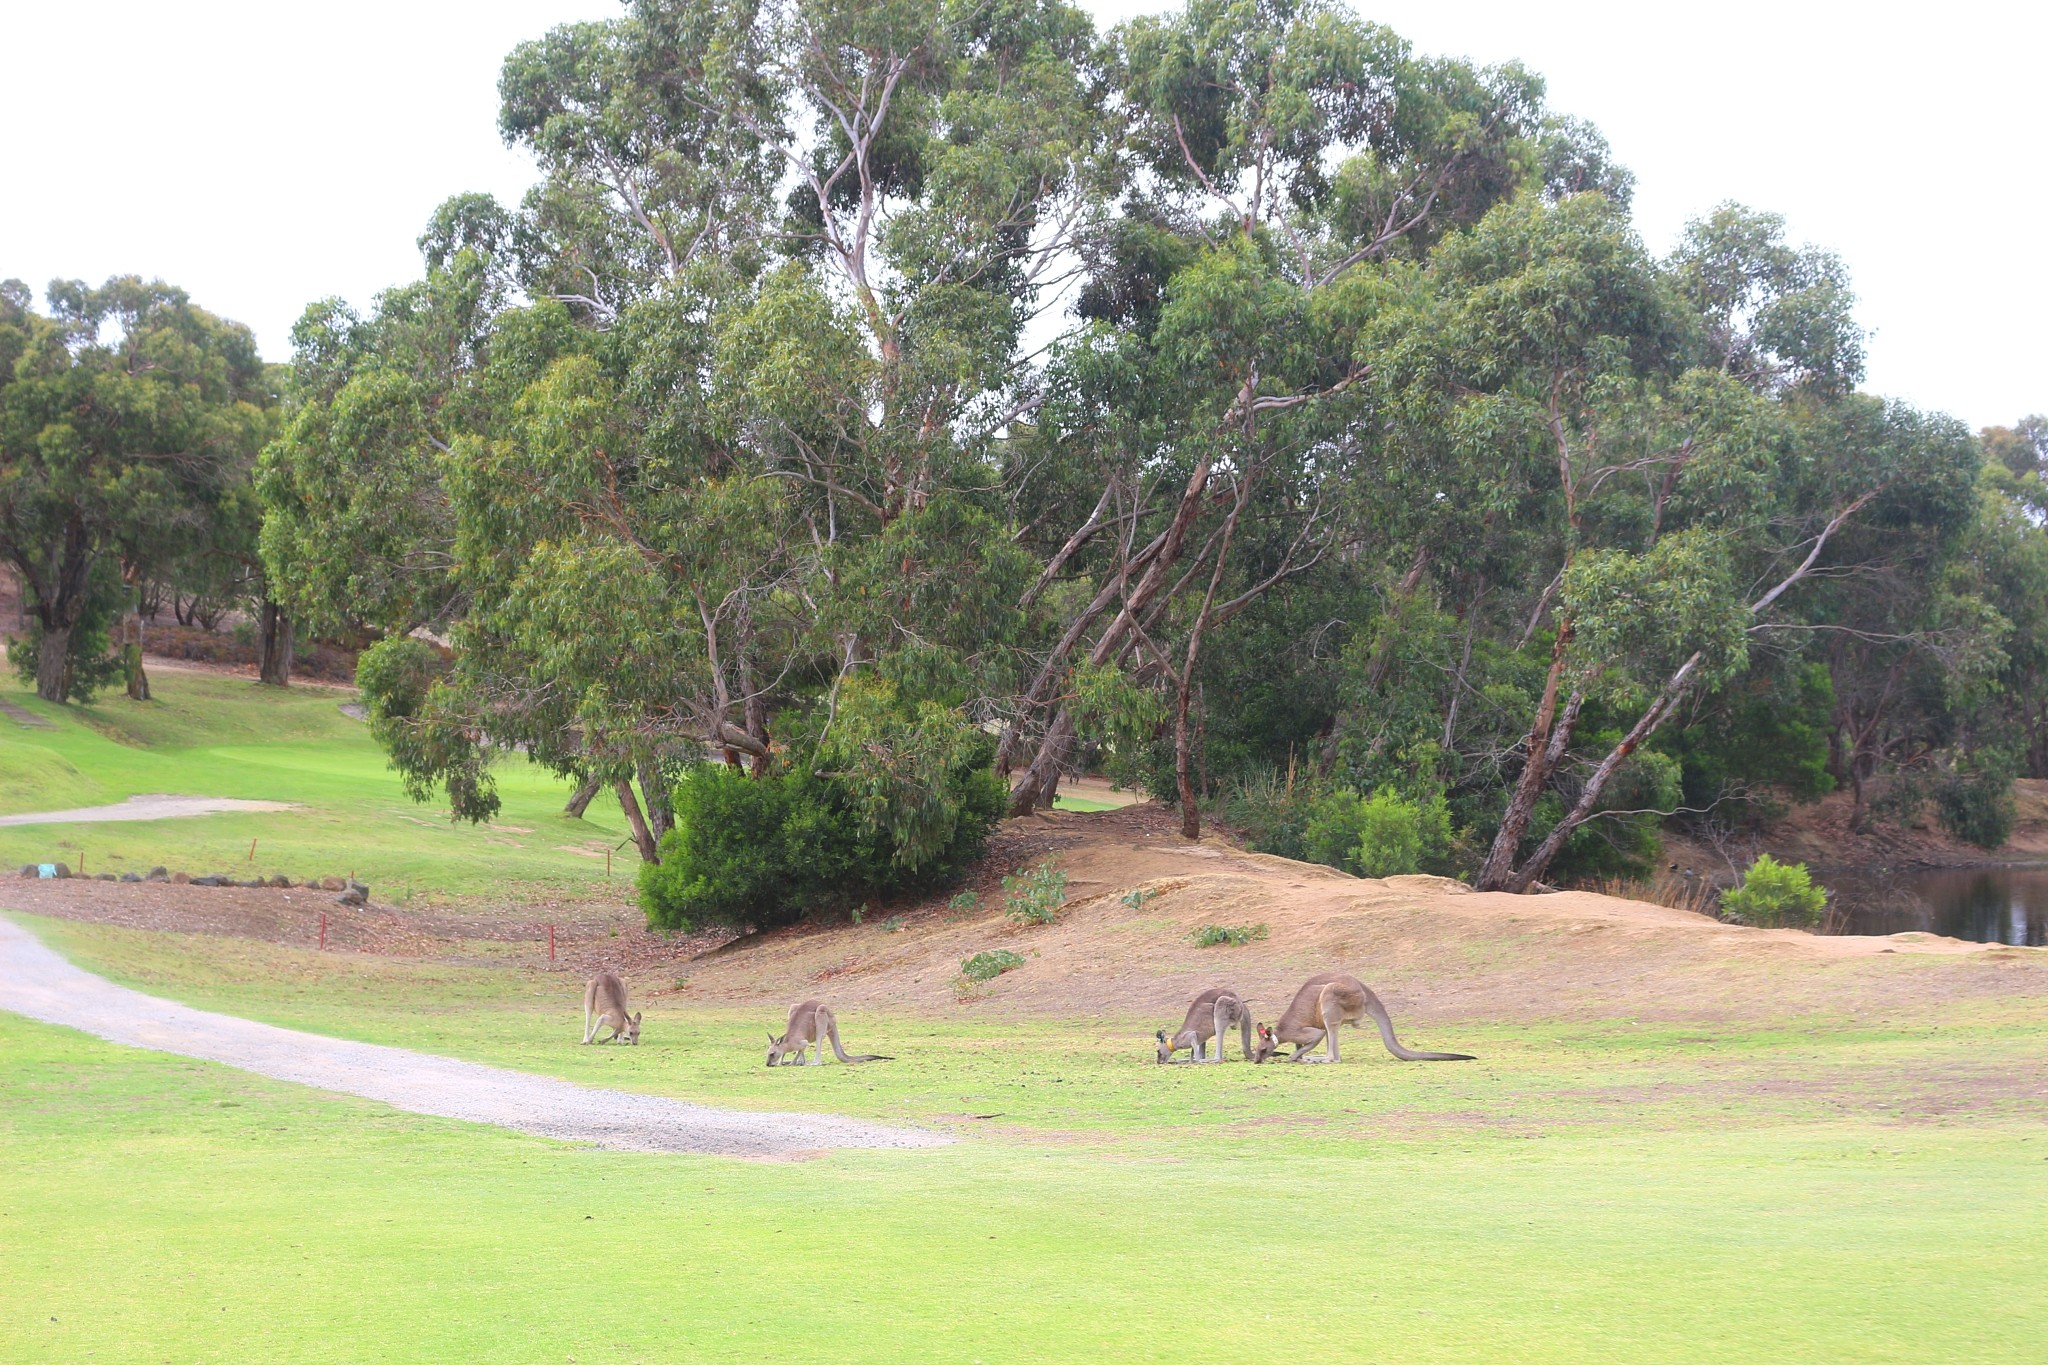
<point>210,735</point>
<point>1589,1192</point>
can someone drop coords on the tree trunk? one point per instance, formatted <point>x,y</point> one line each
<point>1646,725</point>
<point>580,801</point>
<point>655,792</point>
<point>274,666</point>
<point>1500,859</point>
<point>53,664</point>
<point>642,837</point>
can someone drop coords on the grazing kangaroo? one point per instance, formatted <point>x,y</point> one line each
<point>1325,1003</point>
<point>810,1024</point>
<point>1210,1016</point>
<point>604,1006</point>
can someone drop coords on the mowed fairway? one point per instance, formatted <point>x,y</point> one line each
<point>1856,1185</point>
<point>214,735</point>
<point>1590,1191</point>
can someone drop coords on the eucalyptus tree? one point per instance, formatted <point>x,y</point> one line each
<point>1285,156</point>
<point>129,417</point>
<point>1682,442</point>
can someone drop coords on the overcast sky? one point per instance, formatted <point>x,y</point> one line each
<point>263,155</point>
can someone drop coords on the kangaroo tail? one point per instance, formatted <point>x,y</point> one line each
<point>832,1032</point>
<point>1379,1016</point>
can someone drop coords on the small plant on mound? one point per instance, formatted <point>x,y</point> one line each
<point>1774,893</point>
<point>989,965</point>
<point>962,905</point>
<point>1136,897</point>
<point>1035,897</point>
<point>1236,935</point>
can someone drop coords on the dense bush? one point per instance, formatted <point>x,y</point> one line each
<point>1774,893</point>
<point>1977,807</point>
<point>766,851</point>
<point>1384,835</point>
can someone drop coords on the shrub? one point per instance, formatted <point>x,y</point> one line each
<point>1035,897</point>
<point>1774,893</point>
<point>1136,897</point>
<point>766,851</point>
<point>1215,935</point>
<point>1977,808</point>
<point>1384,835</point>
<point>987,966</point>
<point>962,905</point>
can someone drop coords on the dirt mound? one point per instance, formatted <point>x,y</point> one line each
<point>1434,948</point>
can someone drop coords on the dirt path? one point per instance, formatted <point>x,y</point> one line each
<point>36,982</point>
<point>144,808</point>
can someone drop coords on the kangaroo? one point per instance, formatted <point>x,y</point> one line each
<point>1325,1003</point>
<point>604,1006</point>
<point>810,1024</point>
<point>1210,1016</point>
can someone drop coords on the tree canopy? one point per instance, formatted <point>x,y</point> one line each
<point>873,392</point>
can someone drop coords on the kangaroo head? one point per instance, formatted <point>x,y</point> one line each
<point>633,1029</point>
<point>1267,1044</point>
<point>1165,1047</point>
<point>775,1048</point>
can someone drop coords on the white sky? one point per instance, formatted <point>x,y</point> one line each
<point>263,155</point>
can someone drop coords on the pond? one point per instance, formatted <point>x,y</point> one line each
<point>1982,904</point>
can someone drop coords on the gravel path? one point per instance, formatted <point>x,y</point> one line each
<point>38,983</point>
<point>143,808</point>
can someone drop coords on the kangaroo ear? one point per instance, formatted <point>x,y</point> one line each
<point>773,1040</point>
<point>1160,1034</point>
<point>636,1016</point>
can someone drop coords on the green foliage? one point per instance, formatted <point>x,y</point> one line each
<point>1774,893</point>
<point>1977,806</point>
<point>962,905</point>
<point>1236,935</point>
<point>1396,835</point>
<point>1384,835</point>
<point>766,851</point>
<point>92,665</point>
<point>129,420</point>
<point>1135,898</point>
<point>990,964</point>
<point>1035,896</point>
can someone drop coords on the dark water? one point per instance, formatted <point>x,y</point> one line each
<point>1982,904</point>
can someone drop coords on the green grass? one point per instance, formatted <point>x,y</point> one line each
<point>159,1208</point>
<point>207,735</point>
<point>1813,1189</point>
<point>1062,801</point>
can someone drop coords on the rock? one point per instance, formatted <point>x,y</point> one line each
<point>181,878</point>
<point>157,874</point>
<point>131,876</point>
<point>29,870</point>
<point>355,895</point>
<point>281,881</point>
<point>105,877</point>
<point>333,884</point>
<point>209,880</point>
<point>63,869</point>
